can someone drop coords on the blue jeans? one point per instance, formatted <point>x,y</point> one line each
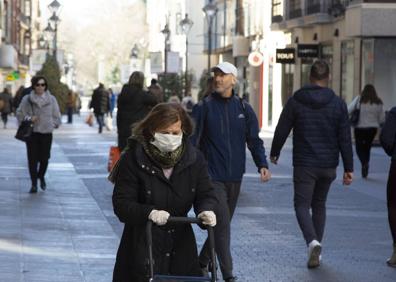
<point>100,120</point>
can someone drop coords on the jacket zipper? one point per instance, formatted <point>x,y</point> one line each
<point>227,128</point>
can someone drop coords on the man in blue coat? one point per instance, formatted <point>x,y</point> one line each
<point>321,131</point>
<point>225,124</point>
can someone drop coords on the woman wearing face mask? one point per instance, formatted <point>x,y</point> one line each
<point>43,109</point>
<point>160,174</point>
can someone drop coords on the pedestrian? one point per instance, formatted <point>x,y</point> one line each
<point>133,104</point>
<point>371,116</point>
<point>156,90</point>
<point>160,174</point>
<point>188,103</point>
<point>225,124</point>
<point>5,105</point>
<point>43,109</point>
<point>101,104</point>
<point>70,105</point>
<point>174,99</point>
<point>388,142</point>
<point>18,98</point>
<point>112,98</point>
<point>321,131</point>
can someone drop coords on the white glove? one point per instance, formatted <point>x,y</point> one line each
<point>208,218</point>
<point>159,217</point>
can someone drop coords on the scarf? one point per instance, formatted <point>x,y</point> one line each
<point>40,100</point>
<point>162,159</point>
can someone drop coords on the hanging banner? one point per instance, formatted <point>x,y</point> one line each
<point>173,62</point>
<point>156,62</point>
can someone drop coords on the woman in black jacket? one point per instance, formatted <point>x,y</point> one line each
<point>160,174</point>
<point>133,104</point>
<point>388,142</point>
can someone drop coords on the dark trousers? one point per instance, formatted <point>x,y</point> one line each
<point>100,120</point>
<point>227,194</point>
<point>364,140</point>
<point>70,114</point>
<point>311,186</point>
<point>391,199</point>
<point>38,153</point>
<point>4,118</point>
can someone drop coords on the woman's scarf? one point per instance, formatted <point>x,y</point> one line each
<point>163,159</point>
<point>40,100</point>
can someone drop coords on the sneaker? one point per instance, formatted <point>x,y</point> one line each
<point>314,250</point>
<point>231,279</point>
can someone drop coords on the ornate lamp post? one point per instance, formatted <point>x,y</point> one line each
<point>54,20</point>
<point>186,25</point>
<point>210,11</point>
<point>166,32</point>
<point>49,36</point>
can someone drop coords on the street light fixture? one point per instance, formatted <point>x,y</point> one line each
<point>134,51</point>
<point>166,32</point>
<point>210,11</point>
<point>186,25</point>
<point>54,8</point>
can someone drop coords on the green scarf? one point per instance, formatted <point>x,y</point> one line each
<point>163,159</point>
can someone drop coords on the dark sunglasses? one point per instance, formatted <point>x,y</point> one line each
<point>41,84</point>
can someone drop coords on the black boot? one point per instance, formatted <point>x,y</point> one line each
<point>365,169</point>
<point>43,185</point>
<point>33,190</point>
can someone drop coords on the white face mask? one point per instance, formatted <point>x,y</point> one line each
<point>167,142</point>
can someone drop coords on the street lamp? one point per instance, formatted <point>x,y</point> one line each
<point>186,25</point>
<point>166,32</point>
<point>134,51</point>
<point>54,20</point>
<point>210,11</point>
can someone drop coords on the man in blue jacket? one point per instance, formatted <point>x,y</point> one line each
<point>321,131</point>
<point>225,124</point>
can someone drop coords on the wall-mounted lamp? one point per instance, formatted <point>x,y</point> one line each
<point>296,40</point>
<point>336,32</point>
<point>315,36</point>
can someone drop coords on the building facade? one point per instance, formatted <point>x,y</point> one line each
<point>19,21</point>
<point>354,36</point>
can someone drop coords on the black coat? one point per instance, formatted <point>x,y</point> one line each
<point>100,101</point>
<point>388,134</point>
<point>140,187</point>
<point>321,129</point>
<point>133,104</point>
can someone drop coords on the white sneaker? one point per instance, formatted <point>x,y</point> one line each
<point>314,250</point>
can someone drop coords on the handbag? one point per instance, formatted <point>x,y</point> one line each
<point>114,156</point>
<point>90,119</point>
<point>355,115</point>
<point>25,129</point>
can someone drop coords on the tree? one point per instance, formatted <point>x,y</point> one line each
<point>51,72</point>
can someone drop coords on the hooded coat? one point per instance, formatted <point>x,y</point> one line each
<point>321,129</point>
<point>133,104</point>
<point>140,187</point>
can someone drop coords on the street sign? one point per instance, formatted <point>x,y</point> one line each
<point>308,50</point>
<point>286,56</point>
<point>255,58</point>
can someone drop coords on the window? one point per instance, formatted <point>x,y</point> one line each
<point>294,9</point>
<point>313,6</point>
<point>277,10</point>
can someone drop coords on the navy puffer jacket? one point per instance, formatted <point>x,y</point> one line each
<point>321,129</point>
